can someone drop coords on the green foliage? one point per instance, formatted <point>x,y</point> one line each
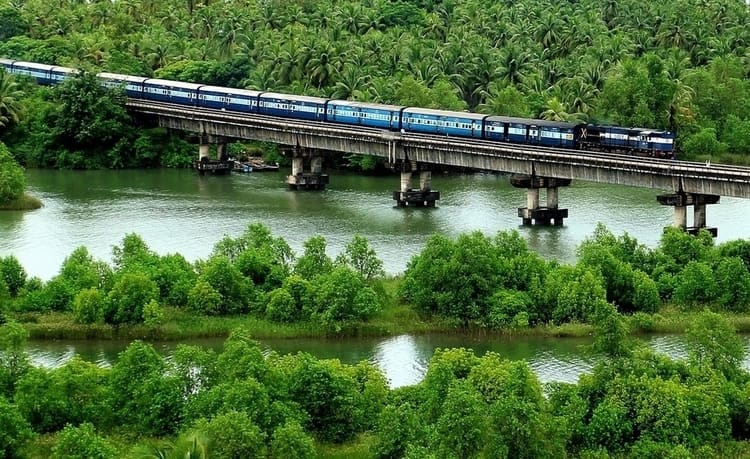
<point>362,258</point>
<point>342,296</point>
<point>713,341</point>
<point>264,259</point>
<point>204,299</point>
<point>460,429</point>
<point>82,442</point>
<point>233,435</point>
<point>736,134</point>
<point>132,254</point>
<point>90,124</point>
<point>235,290</point>
<point>314,261</point>
<point>293,302</point>
<point>41,401</point>
<point>241,358</point>
<point>14,429</point>
<point>398,427</point>
<point>129,295</point>
<point>12,180</point>
<point>627,287</point>
<point>682,248</point>
<point>12,273</point>
<point>144,397</point>
<point>572,294</point>
<point>12,23</point>
<point>509,309</point>
<point>14,362</point>
<point>611,426</point>
<point>290,440</point>
<point>194,367</point>
<point>610,332</point>
<point>696,284</point>
<point>153,314</point>
<point>732,284</point>
<point>363,163</point>
<point>446,365</point>
<point>704,143</point>
<point>329,396</point>
<point>174,276</point>
<point>89,306</point>
<point>11,104</point>
<point>247,396</point>
<point>80,271</point>
<point>281,306</point>
<point>458,278</point>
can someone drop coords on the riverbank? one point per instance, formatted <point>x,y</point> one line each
<point>25,202</point>
<point>181,324</point>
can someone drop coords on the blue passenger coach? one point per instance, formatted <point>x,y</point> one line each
<point>241,100</point>
<point>175,92</point>
<point>365,114</point>
<point>133,85</point>
<point>42,73</point>
<point>302,107</point>
<point>460,124</point>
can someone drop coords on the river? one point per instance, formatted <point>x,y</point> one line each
<point>403,359</point>
<point>179,211</point>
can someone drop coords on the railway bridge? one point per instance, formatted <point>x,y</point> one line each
<point>532,167</point>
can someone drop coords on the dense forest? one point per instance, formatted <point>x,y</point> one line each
<point>681,66</point>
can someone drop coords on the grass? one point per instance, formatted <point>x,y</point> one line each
<point>674,319</point>
<point>25,202</point>
<point>359,448</point>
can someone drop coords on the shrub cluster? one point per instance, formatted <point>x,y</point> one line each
<point>253,274</point>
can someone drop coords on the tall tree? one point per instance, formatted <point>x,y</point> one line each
<point>11,107</point>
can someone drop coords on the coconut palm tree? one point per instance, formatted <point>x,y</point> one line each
<point>11,107</point>
<point>556,111</point>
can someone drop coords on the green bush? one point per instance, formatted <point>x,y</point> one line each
<point>89,306</point>
<point>82,442</point>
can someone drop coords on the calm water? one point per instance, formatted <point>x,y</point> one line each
<point>402,359</point>
<point>178,211</point>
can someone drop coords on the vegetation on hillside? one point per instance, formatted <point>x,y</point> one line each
<point>681,66</point>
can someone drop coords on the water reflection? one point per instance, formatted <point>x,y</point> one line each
<point>403,359</point>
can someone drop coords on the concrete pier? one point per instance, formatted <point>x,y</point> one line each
<point>406,196</point>
<point>314,179</point>
<point>205,164</point>
<point>681,200</point>
<point>533,213</point>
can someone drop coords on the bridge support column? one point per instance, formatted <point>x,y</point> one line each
<point>204,151</point>
<point>681,200</point>
<point>423,196</point>
<point>205,164</point>
<point>300,179</point>
<point>221,151</point>
<point>533,213</point>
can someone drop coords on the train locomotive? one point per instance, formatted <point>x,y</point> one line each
<point>634,141</point>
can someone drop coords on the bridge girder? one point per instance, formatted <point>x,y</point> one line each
<point>449,151</point>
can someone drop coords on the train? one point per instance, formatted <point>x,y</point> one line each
<point>557,134</point>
